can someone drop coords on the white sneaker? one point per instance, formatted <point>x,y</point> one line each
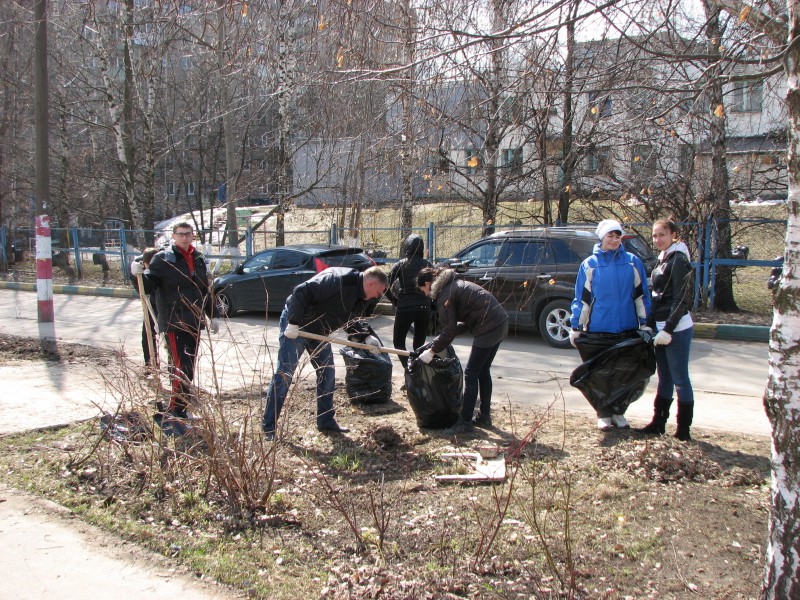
<point>620,422</point>
<point>605,424</point>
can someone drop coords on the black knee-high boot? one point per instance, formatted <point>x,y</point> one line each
<point>658,425</point>
<point>685,414</point>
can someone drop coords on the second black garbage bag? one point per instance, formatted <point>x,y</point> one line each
<point>618,374</point>
<point>435,390</point>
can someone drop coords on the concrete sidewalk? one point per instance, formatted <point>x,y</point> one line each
<point>47,552</point>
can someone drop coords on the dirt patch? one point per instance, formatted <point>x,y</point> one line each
<point>582,513</point>
<point>12,347</point>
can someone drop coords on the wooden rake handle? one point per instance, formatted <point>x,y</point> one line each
<point>331,340</point>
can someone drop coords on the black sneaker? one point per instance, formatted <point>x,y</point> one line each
<point>332,427</point>
<point>483,421</point>
<point>459,427</point>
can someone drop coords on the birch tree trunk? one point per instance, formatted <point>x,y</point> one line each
<point>782,396</point>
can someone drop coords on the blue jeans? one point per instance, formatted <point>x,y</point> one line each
<point>672,363</point>
<point>478,379</point>
<point>289,353</point>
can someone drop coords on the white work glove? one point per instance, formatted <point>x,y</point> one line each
<point>137,268</point>
<point>292,331</point>
<point>646,328</point>
<point>574,334</point>
<point>213,326</point>
<point>427,356</point>
<point>374,342</point>
<point>662,338</point>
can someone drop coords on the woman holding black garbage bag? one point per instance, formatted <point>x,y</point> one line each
<point>611,302</point>
<point>463,306</point>
<point>671,290</point>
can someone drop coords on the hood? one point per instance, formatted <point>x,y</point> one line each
<point>444,279</point>
<point>414,246</point>
<point>676,247</point>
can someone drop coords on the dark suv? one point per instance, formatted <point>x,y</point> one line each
<point>532,272</point>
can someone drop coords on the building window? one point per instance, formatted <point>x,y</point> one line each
<point>170,188</point>
<point>511,159</point>
<point>598,161</point>
<point>643,161</point>
<point>747,96</point>
<point>512,109</point>
<point>190,188</point>
<point>685,160</point>
<point>262,165</point>
<point>600,106</point>
<point>473,160</point>
<point>438,161</point>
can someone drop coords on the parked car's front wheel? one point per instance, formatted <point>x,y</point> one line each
<point>554,323</point>
<point>225,304</point>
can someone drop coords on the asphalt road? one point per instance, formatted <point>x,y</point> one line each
<point>728,376</point>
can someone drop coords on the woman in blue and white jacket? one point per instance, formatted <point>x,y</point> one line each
<point>611,298</point>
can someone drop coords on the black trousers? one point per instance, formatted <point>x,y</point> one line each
<point>420,318</point>
<point>182,350</point>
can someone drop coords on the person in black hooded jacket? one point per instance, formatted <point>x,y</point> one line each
<point>412,307</point>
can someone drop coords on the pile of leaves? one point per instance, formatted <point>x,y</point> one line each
<point>662,460</point>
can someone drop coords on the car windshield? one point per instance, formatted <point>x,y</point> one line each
<point>638,246</point>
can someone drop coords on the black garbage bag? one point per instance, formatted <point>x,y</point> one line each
<point>435,391</point>
<point>368,379</point>
<point>618,371</point>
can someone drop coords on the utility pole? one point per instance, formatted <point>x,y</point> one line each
<point>44,250</point>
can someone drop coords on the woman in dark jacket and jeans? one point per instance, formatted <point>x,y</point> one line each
<point>671,287</point>
<point>464,306</point>
<point>412,306</point>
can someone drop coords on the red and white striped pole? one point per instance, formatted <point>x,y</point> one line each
<point>44,270</point>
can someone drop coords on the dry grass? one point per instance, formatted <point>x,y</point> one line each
<point>582,514</point>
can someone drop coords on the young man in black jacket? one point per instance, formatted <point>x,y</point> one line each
<point>179,280</point>
<point>326,302</point>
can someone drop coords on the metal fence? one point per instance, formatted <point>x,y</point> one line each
<point>76,250</point>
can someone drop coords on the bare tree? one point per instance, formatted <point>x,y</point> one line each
<point>782,397</point>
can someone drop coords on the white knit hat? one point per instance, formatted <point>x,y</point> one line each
<point>607,226</point>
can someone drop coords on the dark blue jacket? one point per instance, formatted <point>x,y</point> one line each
<point>329,301</point>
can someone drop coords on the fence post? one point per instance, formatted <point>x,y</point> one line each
<point>3,243</point>
<point>431,242</point>
<point>123,256</point>
<point>73,233</point>
<point>332,235</point>
<point>708,286</point>
<point>248,240</point>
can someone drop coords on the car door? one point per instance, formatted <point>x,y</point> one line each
<point>289,269</point>
<point>522,265</point>
<point>249,286</point>
<point>478,263</point>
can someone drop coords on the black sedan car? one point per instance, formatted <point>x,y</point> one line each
<point>267,278</point>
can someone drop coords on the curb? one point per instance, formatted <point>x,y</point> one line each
<point>83,290</point>
<point>713,331</point>
<point>742,333</point>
